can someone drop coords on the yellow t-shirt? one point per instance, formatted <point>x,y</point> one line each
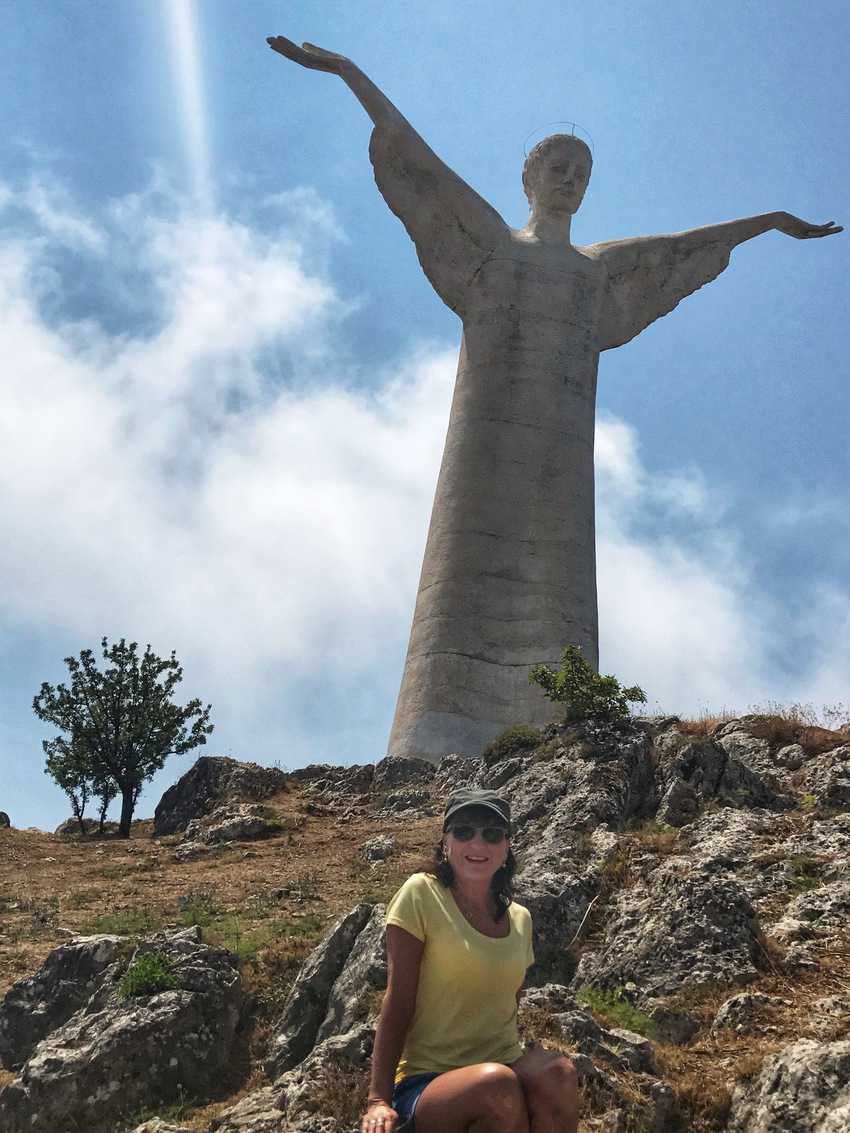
<point>466,1008</point>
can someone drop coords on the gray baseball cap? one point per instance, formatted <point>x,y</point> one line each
<point>492,800</point>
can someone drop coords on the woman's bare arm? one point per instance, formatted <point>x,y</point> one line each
<point>374,101</point>
<point>404,956</point>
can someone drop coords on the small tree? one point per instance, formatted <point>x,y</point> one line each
<point>585,693</point>
<point>120,725</point>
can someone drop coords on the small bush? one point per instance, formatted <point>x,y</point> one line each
<point>199,906</point>
<point>585,694</point>
<point>615,1010</point>
<point>521,737</point>
<point>805,872</point>
<point>148,974</point>
<point>128,922</point>
<point>808,802</point>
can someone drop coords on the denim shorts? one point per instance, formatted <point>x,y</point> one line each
<point>406,1095</point>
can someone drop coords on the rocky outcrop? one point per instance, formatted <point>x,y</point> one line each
<point>211,781</point>
<point>115,1055</point>
<point>805,1088</point>
<point>5,821</point>
<point>232,822</point>
<point>89,826</point>
<point>307,1004</point>
<point>63,984</point>
<point>678,927</point>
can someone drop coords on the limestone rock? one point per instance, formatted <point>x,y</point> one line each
<point>401,771</point>
<point>456,771</point>
<point>335,782</point>
<point>157,1125</point>
<point>114,1056</point>
<point>304,1093</point>
<point>232,822</point>
<point>34,1007</point>
<point>352,997</point>
<point>308,1002</point>
<point>557,902</point>
<point>258,1112</point>
<point>736,769</point>
<point>827,777</point>
<point>91,826</point>
<point>804,1088</point>
<point>409,798</point>
<point>379,848</point>
<point>212,780</point>
<point>679,927</point>
<point>823,913</point>
<point>738,1012</point>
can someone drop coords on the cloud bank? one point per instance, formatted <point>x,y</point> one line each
<point>191,458</point>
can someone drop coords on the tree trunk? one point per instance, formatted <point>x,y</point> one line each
<point>128,802</point>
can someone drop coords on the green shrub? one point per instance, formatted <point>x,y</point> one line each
<point>615,1010</point>
<point>585,694</point>
<point>805,872</point>
<point>148,974</point>
<point>521,737</point>
<point>808,802</point>
<point>128,922</point>
<point>198,906</point>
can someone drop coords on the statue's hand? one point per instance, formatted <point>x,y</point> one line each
<point>801,229</point>
<point>308,55</point>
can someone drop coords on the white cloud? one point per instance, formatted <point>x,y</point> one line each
<point>209,478</point>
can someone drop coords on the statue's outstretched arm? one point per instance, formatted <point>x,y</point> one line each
<point>647,276</point>
<point>374,101</point>
<point>734,232</point>
<point>454,229</point>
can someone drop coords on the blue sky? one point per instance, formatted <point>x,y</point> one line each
<point>226,381</point>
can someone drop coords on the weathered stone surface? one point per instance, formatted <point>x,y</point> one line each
<point>739,1012</point>
<point>304,1093</point>
<point>364,973</point>
<point>805,1088</point>
<point>115,1056</point>
<point>34,1007</point>
<point>401,771</point>
<point>557,902</point>
<point>307,1004</point>
<point>723,768</point>
<point>827,777</point>
<point>337,782</point>
<point>455,771</point>
<point>379,848</point>
<point>5,821</point>
<point>822,913</point>
<point>157,1125</point>
<point>91,826</point>
<point>678,927</point>
<point>214,779</point>
<point>258,1112</point>
<point>232,822</point>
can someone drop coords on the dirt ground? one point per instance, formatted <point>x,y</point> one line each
<point>53,886</point>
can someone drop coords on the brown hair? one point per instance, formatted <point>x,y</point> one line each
<point>501,885</point>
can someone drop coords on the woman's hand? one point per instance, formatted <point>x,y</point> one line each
<point>308,55</point>
<point>379,1118</point>
<point>801,229</point>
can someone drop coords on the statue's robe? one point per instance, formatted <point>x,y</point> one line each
<point>509,573</point>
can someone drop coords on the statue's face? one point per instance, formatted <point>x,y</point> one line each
<point>560,177</point>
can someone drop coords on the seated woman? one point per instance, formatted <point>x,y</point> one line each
<point>447,1048</point>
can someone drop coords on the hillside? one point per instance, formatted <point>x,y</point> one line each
<point>673,872</point>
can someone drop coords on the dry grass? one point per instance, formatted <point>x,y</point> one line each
<point>135,882</point>
<point>816,730</point>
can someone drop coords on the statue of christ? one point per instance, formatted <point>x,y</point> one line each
<point>509,573</point>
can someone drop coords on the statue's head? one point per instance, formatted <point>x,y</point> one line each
<point>556,173</point>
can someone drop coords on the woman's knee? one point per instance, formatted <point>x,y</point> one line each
<point>500,1095</point>
<point>553,1083</point>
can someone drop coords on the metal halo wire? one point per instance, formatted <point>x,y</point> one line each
<point>573,125</point>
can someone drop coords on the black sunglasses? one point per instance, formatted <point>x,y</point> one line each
<point>492,834</point>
